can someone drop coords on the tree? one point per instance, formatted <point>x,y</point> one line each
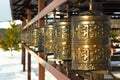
<point>10,41</point>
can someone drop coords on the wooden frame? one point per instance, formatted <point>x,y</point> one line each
<point>42,63</point>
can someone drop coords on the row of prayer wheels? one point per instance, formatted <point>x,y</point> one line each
<point>84,40</point>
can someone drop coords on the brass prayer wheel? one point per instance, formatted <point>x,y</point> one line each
<point>63,40</point>
<point>90,41</point>
<point>49,39</point>
<point>41,39</point>
<point>31,29</point>
<point>23,37</point>
<point>28,37</point>
<point>35,37</point>
<point>35,34</point>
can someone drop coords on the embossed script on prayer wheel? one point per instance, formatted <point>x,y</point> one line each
<point>90,41</point>
<point>63,41</point>
<point>49,39</point>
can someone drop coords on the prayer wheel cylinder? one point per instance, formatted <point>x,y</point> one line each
<point>49,39</point>
<point>63,39</point>
<point>27,37</point>
<point>90,41</point>
<point>41,39</point>
<point>35,37</point>
<point>31,35</point>
<point>23,37</point>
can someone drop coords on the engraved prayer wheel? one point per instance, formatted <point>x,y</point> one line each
<point>31,29</point>
<point>49,39</point>
<point>28,37</point>
<point>41,39</point>
<point>90,41</point>
<point>63,40</point>
<point>35,37</point>
<point>23,37</point>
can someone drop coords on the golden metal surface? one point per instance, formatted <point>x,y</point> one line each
<point>63,41</point>
<point>90,41</point>
<point>49,39</point>
<point>35,37</point>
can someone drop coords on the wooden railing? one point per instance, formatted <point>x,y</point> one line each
<point>43,65</point>
<point>40,55</point>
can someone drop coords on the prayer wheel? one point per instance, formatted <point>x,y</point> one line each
<point>31,29</point>
<point>90,41</point>
<point>35,37</point>
<point>28,37</point>
<point>35,34</point>
<point>49,39</point>
<point>23,37</point>
<point>41,39</point>
<point>63,40</point>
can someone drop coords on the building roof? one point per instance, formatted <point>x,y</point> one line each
<point>108,7</point>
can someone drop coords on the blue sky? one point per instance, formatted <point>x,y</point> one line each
<point>5,12</point>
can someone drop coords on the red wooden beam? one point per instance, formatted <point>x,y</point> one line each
<point>23,49</point>
<point>29,55</point>
<point>23,57</point>
<point>41,6</point>
<point>41,68</point>
<point>29,67</point>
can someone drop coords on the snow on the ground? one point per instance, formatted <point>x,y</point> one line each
<point>11,67</point>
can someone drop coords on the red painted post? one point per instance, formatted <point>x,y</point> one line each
<point>41,6</point>
<point>23,57</point>
<point>29,66</point>
<point>41,69</point>
<point>23,49</point>
<point>29,55</point>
